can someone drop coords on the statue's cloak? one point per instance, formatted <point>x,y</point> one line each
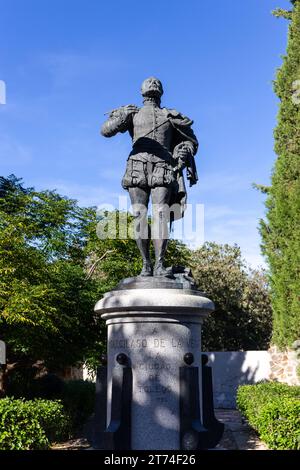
<point>184,132</point>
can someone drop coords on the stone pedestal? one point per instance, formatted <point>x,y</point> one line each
<point>159,331</point>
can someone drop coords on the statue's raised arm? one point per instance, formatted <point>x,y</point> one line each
<point>120,120</point>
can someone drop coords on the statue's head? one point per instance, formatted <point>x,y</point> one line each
<point>152,87</point>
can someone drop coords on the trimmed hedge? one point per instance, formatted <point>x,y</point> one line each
<point>31,425</point>
<point>77,396</point>
<point>273,410</point>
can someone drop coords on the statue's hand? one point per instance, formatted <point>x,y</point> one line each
<point>130,108</point>
<point>182,152</point>
<point>124,111</point>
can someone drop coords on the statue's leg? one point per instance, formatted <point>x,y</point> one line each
<point>160,227</point>
<point>139,200</point>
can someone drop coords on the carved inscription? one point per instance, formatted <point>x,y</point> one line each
<point>154,372</point>
<point>153,384</point>
<point>154,366</point>
<point>137,343</point>
<point>153,343</point>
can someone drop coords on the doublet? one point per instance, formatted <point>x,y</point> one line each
<point>152,122</point>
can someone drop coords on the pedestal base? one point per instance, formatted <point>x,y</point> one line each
<point>156,333</point>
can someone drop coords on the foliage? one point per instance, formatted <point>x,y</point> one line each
<point>24,384</point>
<point>20,384</point>
<point>52,417</point>
<point>49,387</point>
<point>242,319</point>
<point>281,13</point>
<point>78,397</point>
<point>28,425</point>
<point>273,410</point>
<point>281,231</point>
<point>46,300</point>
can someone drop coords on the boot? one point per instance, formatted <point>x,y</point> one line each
<point>144,247</point>
<point>160,247</point>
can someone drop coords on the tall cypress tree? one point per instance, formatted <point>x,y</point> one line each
<point>281,231</point>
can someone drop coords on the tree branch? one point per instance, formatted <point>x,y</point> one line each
<point>280,13</point>
<point>93,267</point>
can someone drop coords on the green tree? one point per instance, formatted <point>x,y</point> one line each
<point>46,300</point>
<point>243,317</point>
<point>281,230</point>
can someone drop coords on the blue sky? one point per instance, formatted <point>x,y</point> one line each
<point>66,62</point>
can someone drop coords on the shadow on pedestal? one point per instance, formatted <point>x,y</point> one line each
<point>117,435</point>
<point>195,434</point>
<point>215,428</point>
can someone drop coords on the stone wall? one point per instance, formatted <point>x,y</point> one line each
<point>233,368</point>
<point>283,366</point>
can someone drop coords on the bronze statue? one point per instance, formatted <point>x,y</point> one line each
<point>163,145</point>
